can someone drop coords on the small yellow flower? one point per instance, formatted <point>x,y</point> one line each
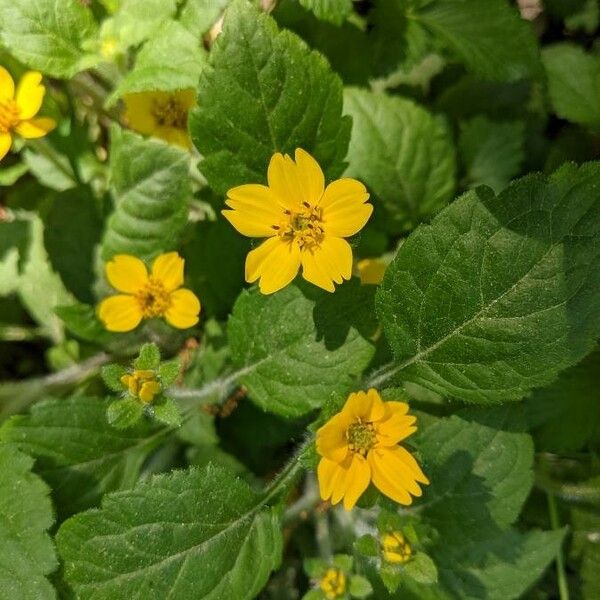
<point>371,270</point>
<point>142,384</point>
<point>395,547</point>
<point>333,584</point>
<point>360,444</point>
<point>161,114</point>
<point>147,296</point>
<point>304,221</point>
<point>18,109</point>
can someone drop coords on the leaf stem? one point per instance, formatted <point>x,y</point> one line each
<point>563,588</point>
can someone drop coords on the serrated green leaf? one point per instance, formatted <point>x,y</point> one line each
<point>422,569</point>
<point>151,189</point>
<point>265,92</point>
<point>492,152</point>
<point>500,293</point>
<point>573,83</point>
<point>564,415</point>
<point>111,375</point>
<point>148,359</point>
<point>296,348</point>
<point>125,413</point>
<point>26,550</point>
<point>171,60</point>
<point>196,533</point>
<point>77,452</point>
<point>403,153</point>
<point>489,36</point>
<point>167,413</point>
<point>169,371</point>
<point>334,11</point>
<point>49,35</point>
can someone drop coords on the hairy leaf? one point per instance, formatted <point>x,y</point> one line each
<point>334,11</point>
<point>500,293</point>
<point>199,533</point>
<point>265,92</point>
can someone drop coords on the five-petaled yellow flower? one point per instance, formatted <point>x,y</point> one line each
<point>360,444</point>
<point>18,109</point>
<point>161,114</point>
<point>146,296</point>
<point>304,221</point>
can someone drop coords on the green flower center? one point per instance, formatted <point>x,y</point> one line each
<point>9,115</point>
<point>361,437</point>
<point>153,298</point>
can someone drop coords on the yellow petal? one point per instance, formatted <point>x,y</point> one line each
<point>186,98</point>
<point>30,95</point>
<point>331,439</point>
<point>328,473</point>
<point>148,390</point>
<point>120,313</point>
<point>174,136</point>
<point>409,460</point>
<point>393,475</point>
<point>35,128</point>
<point>5,144</point>
<point>366,406</point>
<point>168,269</point>
<point>280,267</point>
<point>7,85</point>
<point>275,262</point>
<point>138,112</point>
<point>282,175</point>
<point>395,428</point>
<point>310,176</point>
<point>126,273</point>
<point>345,211</point>
<point>184,309</point>
<point>255,210</point>
<point>347,480</point>
<point>329,262</point>
<point>357,480</point>
<point>371,271</point>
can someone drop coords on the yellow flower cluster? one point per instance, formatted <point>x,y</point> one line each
<point>18,109</point>
<point>395,547</point>
<point>333,583</point>
<point>142,384</point>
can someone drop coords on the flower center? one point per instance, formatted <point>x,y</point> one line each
<point>169,113</point>
<point>304,227</point>
<point>153,299</point>
<point>9,115</point>
<point>361,437</point>
<point>333,584</point>
<point>395,547</point>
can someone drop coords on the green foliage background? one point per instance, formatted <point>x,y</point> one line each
<point>475,125</point>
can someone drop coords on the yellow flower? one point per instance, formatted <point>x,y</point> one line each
<point>304,221</point>
<point>360,444</point>
<point>147,296</point>
<point>371,270</point>
<point>142,384</point>
<point>333,584</point>
<point>161,114</point>
<point>395,547</point>
<point>18,109</point>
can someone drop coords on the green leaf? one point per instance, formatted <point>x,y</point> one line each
<point>82,321</point>
<point>137,21</point>
<point>500,293</point>
<point>169,371</point>
<point>124,413</point>
<point>403,153</point>
<point>49,35</point>
<point>198,16</point>
<point>586,524</point>
<point>151,189</point>
<point>72,229</point>
<point>489,36</point>
<point>296,348</point>
<point>564,415</point>
<point>111,375</point>
<point>77,452</point>
<point>491,151</point>
<point>26,550</point>
<point>167,413</point>
<point>56,173</point>
<point>573,83</point>
<point>171,60</point>
<point>148,359</point>
<point>422,569</point>
<point>11,174</point>
<point>334,11</point>
<point>265,92</point>
<point>359,587</point>
<point>199,533</point>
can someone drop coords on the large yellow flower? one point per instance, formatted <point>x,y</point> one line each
<point>161,114</point>
<point>147,296</point>
<point>18,109</point>
<point>360,444</point>
<point>304,221</point>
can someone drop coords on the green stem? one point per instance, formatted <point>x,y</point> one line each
<point>563,588</point>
